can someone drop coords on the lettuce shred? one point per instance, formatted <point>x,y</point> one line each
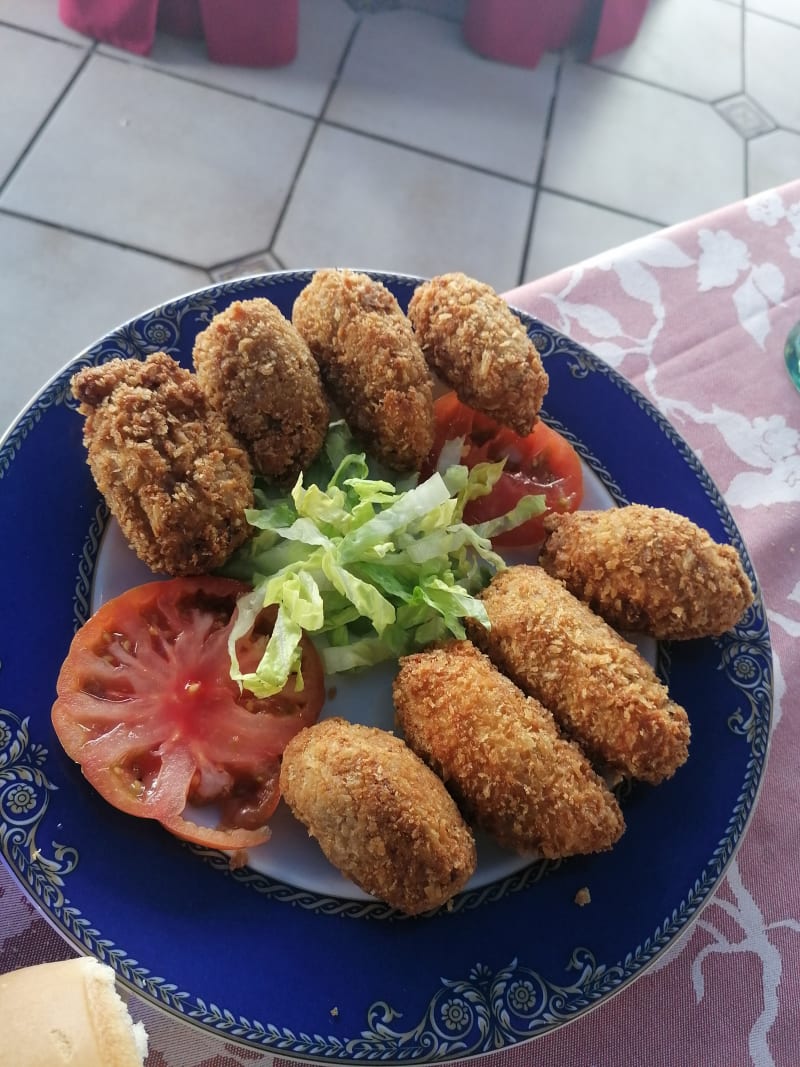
<point>372,568</point>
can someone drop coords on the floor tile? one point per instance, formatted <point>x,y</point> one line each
<point>87,288</point>
<point>303,85</point>
<point>788,10</point>
<point>772,160</point>
<point>411,77</point>
<point>567,231</point>
<point>639,149</point>
<point>39,15</point>
<point>772,68</point>
<point>745,115</point>
<point>158,163</point>
<point>399,210</point>
<point>242,268</point>
<point>34,74</point>
<point>674,43</point>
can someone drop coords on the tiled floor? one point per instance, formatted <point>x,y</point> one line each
<point>386,144</point>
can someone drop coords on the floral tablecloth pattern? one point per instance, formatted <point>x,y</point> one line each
<point>696,316</point>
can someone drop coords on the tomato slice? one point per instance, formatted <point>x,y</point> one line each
<point>543,462</point>
<point>146,705</point>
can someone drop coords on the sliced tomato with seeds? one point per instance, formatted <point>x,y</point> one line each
<point>146,705</point>
<point>543,462</point>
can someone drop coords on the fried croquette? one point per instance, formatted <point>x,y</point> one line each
<point>370,363</point>
<point>601,691</point>
<point>257,371</point>
<point>648,570</point>
<point>379,814</point>
<point>476,344</point>
<point>502,756</point>
<point>170,470</point>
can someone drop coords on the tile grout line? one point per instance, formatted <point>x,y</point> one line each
<point>110,242</point>
<point>318,122</point>
<point>45,36</point>
<point>537,185</point>
<point>212,87</point>
<point>639,80</point>
<point>40,128</point>
<point>660,223</point>
<point>437,157</point>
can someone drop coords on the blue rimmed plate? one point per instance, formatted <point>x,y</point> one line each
<point>288,957</point>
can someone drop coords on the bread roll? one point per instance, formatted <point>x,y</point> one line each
<point>67,1013</point>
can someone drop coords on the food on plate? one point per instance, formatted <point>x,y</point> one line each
<point>257,371</point>
<point>601,691</point>
<point>146,705</point>
<point>648,570</point>
<point>379,814</point>
<point>371,364</point>
<point>68,1012</point>
<point>170,470</point>
<point>502,756</point>
<point>476,344</point>
<point>371,570</point>
<point>541,463</point>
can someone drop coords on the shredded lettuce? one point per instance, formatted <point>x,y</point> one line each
<point>371,568</point>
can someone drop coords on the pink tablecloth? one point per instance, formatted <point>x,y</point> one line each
<point>696,316</point>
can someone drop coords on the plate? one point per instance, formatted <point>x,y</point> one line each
<point>284,961</point>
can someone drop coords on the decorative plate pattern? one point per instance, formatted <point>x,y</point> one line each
<point>331,979</point>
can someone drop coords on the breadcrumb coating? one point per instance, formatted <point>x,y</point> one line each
<point>257,371</point>
<point>379,814</point>
<point>648,570</point>
<point>370,363</point>
<point>170,471</point>
<point>502,756</point>
<point>476,344</point>
<point>601,691</point>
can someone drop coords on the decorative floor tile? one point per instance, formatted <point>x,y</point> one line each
<point>35,72</point>
<point>87,287</point>
<point>772,68</point>
<point>639,149</point>
<point>567,231</point>
<point>745,116</point>
<point>163,165</point>
<point>303,85</point>
<point>395,209</point>
<point>674,46</point>
<point>242,268</point>
<point>411,78</point>
<point>772,160</point>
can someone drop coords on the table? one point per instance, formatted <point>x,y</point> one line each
<point>696,317</point>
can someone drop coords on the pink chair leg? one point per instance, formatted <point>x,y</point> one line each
<point>251,33</point>
<point>520,31</point>
<point>619,24</point>
<point>128,24</point>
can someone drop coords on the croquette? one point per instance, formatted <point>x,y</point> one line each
<point>601,691</point>
<point>379,814</point>
<point>371,364</point>
<point>170,470</point>
<point>476,344</point>
<point>648,570</point>
<point>257,371</point>
<point>502,756</point>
